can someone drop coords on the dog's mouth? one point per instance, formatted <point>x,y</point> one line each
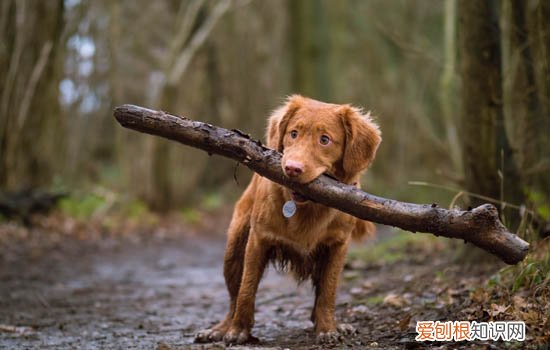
<point>298,198</point>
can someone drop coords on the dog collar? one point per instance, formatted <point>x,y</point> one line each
<point>289,208</point>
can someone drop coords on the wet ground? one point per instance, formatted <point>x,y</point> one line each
<point>154,291</point>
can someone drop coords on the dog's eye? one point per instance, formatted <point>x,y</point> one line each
<point>324,140</point>
<point>294,134</point>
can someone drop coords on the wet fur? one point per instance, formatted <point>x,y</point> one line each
<point>313,243</point>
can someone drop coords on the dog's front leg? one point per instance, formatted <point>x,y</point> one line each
<point>325,301</point>
<point>255,261</point>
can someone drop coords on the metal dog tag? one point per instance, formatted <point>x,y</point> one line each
<point>289,209</point>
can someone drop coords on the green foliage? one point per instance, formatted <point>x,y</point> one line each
<point>535,213</point>
<point>136,209</point>
<point>212,201</point>
<point>374,300</point>
<point>86,205</point>
<point>540,204</point>
<point>530,274</point>
<point>208,202</point>
<point>191,215</point>
<point>110,206</point>
<point>385,252</point>
<point>494,280</point>
<point>440,275</point>
<point>394,249</point>
<point>82,206</point>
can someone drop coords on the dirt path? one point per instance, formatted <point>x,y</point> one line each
<point>121,294</point>
<point>150,292</point>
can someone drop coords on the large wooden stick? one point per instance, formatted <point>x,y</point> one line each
<point>480,226</point>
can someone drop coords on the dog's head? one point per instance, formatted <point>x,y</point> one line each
<point>317,138</point>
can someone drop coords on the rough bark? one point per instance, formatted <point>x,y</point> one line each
<point>485,146</point>
<point>527,34</point>
<point>479,226</point>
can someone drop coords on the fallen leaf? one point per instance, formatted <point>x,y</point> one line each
<point>530,317</point>
<point>394,300</point>
<point>14,329</point>
<point>163,346</point>
<point>367,285</point>
<point>404,322</point>
<point>497,309</point>
<point>479,295</point>
<point>519,302</point>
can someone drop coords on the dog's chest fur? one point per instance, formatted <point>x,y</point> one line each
<point>309,228</point>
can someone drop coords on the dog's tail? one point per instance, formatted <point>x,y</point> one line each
<point>363,229</point>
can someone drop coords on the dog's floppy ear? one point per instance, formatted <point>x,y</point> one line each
<point>278,122</point>
<point>362,139</point>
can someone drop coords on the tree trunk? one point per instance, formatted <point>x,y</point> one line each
<point>522,89</point>
<point>30,67</point>
<point>538,24</point>
<point>489,166</point>
<point>310,48</point>
<point>479,226</point>
<point>528,91</point>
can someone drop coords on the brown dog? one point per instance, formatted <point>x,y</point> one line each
<point>315,138</point>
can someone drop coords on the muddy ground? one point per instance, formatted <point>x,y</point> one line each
<point>154,290</point>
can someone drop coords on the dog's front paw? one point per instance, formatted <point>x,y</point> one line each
<point>236,335</point>
<point>202,336</point>
<point>336,336</point>
<point>330,337</point>
<point>346,329</point>
<point>209,335</point>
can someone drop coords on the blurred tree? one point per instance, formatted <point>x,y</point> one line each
<point>489,167</point>
<point>85,93</point>
<point>229,74</point>
<point>31,128</point>
<point>194,24</point>
<point>309,36</point>
<point>395,49</point>
<point>448,89</point>
<point>390,56</point>
<point>526,28</point>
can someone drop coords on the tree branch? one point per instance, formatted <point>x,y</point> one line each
<point>196,41</point>
<point>33,82</point>
<point>479,226</point>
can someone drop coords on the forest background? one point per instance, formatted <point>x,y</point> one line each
<point>461,91</point>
